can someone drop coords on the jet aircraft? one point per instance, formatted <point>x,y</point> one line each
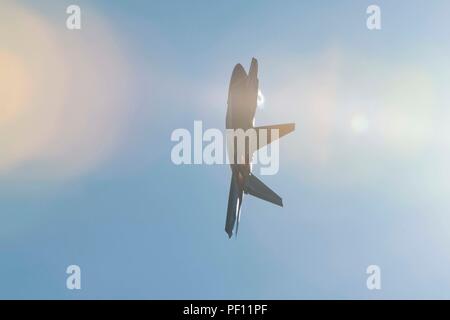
<point>242,103</point>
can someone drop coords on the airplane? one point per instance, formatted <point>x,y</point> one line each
<point>242,103</point>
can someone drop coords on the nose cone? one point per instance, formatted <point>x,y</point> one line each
<point>238,79</point>
<point>238,74</point>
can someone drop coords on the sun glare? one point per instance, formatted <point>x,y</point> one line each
<point>14,87</point>
<point>260,100</point>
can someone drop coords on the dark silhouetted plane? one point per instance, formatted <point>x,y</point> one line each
<point>242,103</point>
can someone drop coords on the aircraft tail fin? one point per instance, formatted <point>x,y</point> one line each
<point>283,129</point>
<point>258,189</point>
<point>237,221</point>
<point>234,206</point>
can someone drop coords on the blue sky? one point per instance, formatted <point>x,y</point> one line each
<point>89,180</point>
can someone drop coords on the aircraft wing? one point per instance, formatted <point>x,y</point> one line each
<point>283,129</point>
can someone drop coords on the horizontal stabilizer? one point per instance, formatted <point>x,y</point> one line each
<point>258,189</point>
<point>283,129</point>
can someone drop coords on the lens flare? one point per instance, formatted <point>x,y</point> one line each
<point>260,100</point>
<point>64,99</point>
